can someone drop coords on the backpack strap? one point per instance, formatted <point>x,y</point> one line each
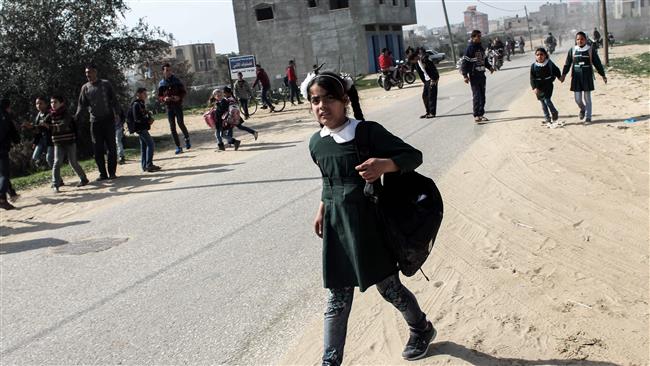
<point>364,152</point>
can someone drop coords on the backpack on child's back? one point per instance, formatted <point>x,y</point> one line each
<point>231,117</point>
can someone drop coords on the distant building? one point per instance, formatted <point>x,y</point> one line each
<point>631,9</point>
<point>476,20</point>
<point>548,13</point>
<point>346,35</point>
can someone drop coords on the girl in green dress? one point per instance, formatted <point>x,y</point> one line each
<point>581,61</point>
<point>355,253</point>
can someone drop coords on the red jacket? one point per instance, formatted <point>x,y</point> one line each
<point>291,73</point>
<point>263,79</point>
<point>385,62</point>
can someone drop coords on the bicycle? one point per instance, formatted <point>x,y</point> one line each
<point>278,98</point>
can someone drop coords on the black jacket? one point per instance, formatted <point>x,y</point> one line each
<point>429,67</point>
<point>475,60</point>
<point>542,77</point>
<point>138,118</point>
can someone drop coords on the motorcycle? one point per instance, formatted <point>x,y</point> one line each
<point>496,58</point>
<point>406,72</point>
<point>386,81</point>
<point>550,47</point>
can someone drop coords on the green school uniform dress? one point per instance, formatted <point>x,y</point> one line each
<point>582,68</point>
<point>354,249</point>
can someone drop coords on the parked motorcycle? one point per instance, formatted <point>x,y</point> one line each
<point>406,72</point>
<point>386,81</point>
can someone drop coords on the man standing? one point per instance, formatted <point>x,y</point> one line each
<point>473,69</point>
<point>429,76</point>
<point>171,91</point>
<point>98,97</point>
<point>265,83</point>
<point>293,82</point>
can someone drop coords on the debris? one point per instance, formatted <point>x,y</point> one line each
<point>622,127</point>
<point>579,303</point>
<point>630,120</point>
<point>523,225</point>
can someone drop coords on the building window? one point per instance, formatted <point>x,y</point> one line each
<point>312,3</point>
<point>406,3</point>
<point>397,28</point>
<point>394,2</point>
<point>264,13</point>
<point>210,65</point>
<point>339,4</point>
<point>201,65</point>
<point>381,2</point>
<point>179,53</point>
<point>383,28</point>
<point>370,27</point>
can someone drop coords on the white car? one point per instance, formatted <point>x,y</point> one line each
<point>436,56</point>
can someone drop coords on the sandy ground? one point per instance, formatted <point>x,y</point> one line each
<point>543,254</point>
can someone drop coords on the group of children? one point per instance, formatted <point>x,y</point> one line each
<point>581,61</point>
<point>225,116</point>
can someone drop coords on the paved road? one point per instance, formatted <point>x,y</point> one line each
<point>221,269</point>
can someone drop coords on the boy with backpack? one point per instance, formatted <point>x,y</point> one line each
<point>225,110</point>
<point>139,120</point>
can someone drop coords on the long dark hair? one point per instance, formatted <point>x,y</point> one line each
<point>337,88</point>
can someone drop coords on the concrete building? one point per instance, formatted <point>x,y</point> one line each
<point>548,13</point>
<point>201,59</point>
<point>346,35</point>
<point>474,19</point>
<point>631,9</point>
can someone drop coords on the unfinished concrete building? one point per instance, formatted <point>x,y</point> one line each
<point>345,34</point>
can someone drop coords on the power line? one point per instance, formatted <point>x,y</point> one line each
<point>495,7</point>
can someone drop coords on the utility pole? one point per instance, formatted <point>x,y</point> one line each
<point>603,10</point>
<point>451,37</point>
<point>530,36</point>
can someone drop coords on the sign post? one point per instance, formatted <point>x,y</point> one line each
<point>243,64</point>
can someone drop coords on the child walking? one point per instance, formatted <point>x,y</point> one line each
<point>139,120</point>
<point>63,132</point>
<point>581,60</point>
<point>542,74</point>
<point>221,105</point>
<point>355,254</point>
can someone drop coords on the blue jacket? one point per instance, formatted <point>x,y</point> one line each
<point>475,60</point>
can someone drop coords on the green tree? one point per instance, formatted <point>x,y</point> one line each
<point>45,44</point>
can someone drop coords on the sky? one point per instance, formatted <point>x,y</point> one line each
<point>213,21</point>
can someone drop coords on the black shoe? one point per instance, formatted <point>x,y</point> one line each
<point>112,177</point>
<point>6,205</point>
<point>221,147</point>
<point>237,143</point>
<point>418,343</point>
<point>424,115</point>
<point>101,178</point>
<point>430,116</point>
<point>555,116</point>
<point>188,145</point>
<point>122,160</point>
<point>83,182</point>
<point>153,168</point>
<point>582,114</point>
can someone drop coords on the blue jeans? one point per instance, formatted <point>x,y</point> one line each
<point>548,108</point>
<point>119,136</point>
<point>146,149</point>
<point>265,99</point>
<point>41,148</point>
<point>174,116</point>
<point>586,104</point>
<point>339,304</point>
<point>220,133</point>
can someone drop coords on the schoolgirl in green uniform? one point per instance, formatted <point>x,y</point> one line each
<point>355,253</point>
<point>581,61</point>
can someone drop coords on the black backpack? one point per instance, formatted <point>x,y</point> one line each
<point>408,204</point>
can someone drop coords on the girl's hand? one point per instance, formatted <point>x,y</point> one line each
<point>536,91</point>
<point>371,169</point>
<point>318,221</point>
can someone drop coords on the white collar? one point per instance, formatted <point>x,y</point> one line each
<point>343,133</point>
<point>581,49</point>
<point>542,64</point>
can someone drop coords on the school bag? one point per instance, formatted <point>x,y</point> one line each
<point>409,206</point>
<point>208,117</point>
<point>231,117</point>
